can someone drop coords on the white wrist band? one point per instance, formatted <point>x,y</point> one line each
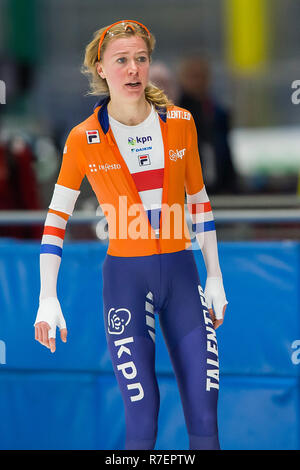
<point>50,312</point>
<point>215,295</point>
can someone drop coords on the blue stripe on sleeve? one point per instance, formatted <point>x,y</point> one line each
<point>204,226</point>
<point>53,249</point>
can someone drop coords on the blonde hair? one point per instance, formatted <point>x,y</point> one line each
<point>98,85</point>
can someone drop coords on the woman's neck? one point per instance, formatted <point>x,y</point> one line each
<point>130,114</point>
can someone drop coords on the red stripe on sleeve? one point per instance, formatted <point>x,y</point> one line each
<point>199,207</point>
<point>150,179</point>
<point>57,232</point>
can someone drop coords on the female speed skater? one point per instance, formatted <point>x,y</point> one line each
<point>139,152</point>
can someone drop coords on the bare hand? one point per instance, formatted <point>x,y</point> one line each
<point>216,322</point>
<point>41,335</point>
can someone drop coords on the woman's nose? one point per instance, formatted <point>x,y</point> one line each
<point>132,68</point>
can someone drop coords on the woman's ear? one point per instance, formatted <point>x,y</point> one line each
<point>99,69</point>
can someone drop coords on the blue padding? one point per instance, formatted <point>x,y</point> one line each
<point>259,413</point>
<point>79,291</point>
<point>259,389</point>
<point>262,319</point>
<point>255,413</point>
<point>48,411</point>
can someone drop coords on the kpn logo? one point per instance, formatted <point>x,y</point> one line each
<point>131,141</point>
<point>139,140</point>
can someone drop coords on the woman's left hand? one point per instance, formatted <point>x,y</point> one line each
<point>216,300</point>
<point>216,322</point>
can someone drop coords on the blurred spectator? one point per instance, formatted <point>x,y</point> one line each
<point>18,185</point>
<point>213,125</point>
<point>18,77</point>
<point>163,78</point>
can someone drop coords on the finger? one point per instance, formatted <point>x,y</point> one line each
<point>63,334</point>
<point>39,330</point>
<point>217,323</point>
<point>211,314</point>
<point>224,308</point>
<point>44,335</point>
<point>52,344</point>
<point>38,333</point>
<point>45,329</point>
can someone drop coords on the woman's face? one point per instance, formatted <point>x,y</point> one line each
<point>125,66</point>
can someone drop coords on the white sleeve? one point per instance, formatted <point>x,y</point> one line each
<point>64,199</point>
<point>204,226</point>
<point>51,251</point>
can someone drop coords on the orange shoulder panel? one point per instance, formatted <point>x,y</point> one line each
<point>73,167</point>
<point>193,174</point>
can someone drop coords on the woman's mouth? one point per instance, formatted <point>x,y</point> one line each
<point>133,84</point>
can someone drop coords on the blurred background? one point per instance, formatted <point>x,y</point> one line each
<point>235,65</point>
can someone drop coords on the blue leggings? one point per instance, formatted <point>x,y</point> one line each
<point>134,290</point>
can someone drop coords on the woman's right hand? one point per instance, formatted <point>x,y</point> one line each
<point>49,316</point>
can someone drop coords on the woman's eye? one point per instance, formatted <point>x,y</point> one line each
<point>122,60</point>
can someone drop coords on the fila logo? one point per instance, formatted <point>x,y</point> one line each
<point>175,155</point>
<point>144,160</point>
<point>93,137</point>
